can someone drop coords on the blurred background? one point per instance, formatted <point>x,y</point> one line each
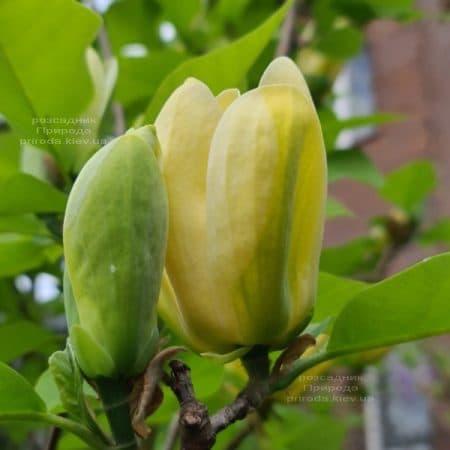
<point>378,72</point>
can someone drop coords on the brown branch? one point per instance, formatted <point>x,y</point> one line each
<point>195,426</point>
<point>249,399</point>
<point>53,440</point>
<point>197,429</point>
<point>288,34</point>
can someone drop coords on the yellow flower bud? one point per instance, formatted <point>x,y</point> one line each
<point>246,182</point>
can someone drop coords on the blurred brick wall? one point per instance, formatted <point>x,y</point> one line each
<point>411,72</point>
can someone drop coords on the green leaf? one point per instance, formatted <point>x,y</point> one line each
<point>394,9</point>
<point>336,209</point>
<point>370,120</point>
<point>20,403</point>
<point>23,224</point>
<point>332,126</point>
<point>341,43</point>
<point>290,426</point>
<point>355,165</point>
<point>16,394</point>
<point>10,301</point>
<point>133,21</point>
<point>409,186</point>
<point>140,77</point>
<point>43,72</point>
<point>19,253</point>
<point>437,233</point>
<point>355,257</point>
<point>22,337</point>
<point>222,68</point>
<point>410,305</point>
<point>69,382</point>
<point>23,193</point>
<point>333,294</point>
<point>47,389</point>
<point>182,14</point>
<point>9,155</point>
<point>231,10</point>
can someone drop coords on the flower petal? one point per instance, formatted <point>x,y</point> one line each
<point>283,70</point>
<point>266,191</point>
<point>185,127</point>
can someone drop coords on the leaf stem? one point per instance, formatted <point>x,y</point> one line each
<point>60,422</point>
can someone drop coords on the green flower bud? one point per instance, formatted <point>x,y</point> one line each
<point>115,233</point>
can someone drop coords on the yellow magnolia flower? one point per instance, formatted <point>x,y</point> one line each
<point>246,183</point>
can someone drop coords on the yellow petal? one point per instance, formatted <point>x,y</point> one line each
<point>227,97</point>
<point>185,127</point>
<point>266,191</point>
<point>307,222</point>
<point>283,70</point>
<point>169,310</point>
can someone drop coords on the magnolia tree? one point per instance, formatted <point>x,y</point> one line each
<point>191,241</point>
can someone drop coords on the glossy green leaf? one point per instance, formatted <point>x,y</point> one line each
<point>168,408</point>
<point>410,305</point>
<point>394,9</point>
<point>16,394</point>
<point>325,13</point>
<point>140,77</point>
<point>357,256</point>
<point>332,125</point>
<point>9,155</point>
<point>341,43</point>
<point>43,73</point>
<point>19,252</point>
<point>409,185</point>
<point>370,120</point>
<point>437,233</point>
<point>22,337</point>
<point>10,301</point>
<point>334,208</point>
<point>133,22</point>
<point>355,165</point>
<point>333,293</point>
<point>231,10</point>
<point>23,193</point>
<point>223,68</point>
<point>69,382</point>
<point>290,426</point>
<point>23,224</point>
<point>47,389</point>
<point>182,14</point>
<point>20,402</point>
<point>206,374</point>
